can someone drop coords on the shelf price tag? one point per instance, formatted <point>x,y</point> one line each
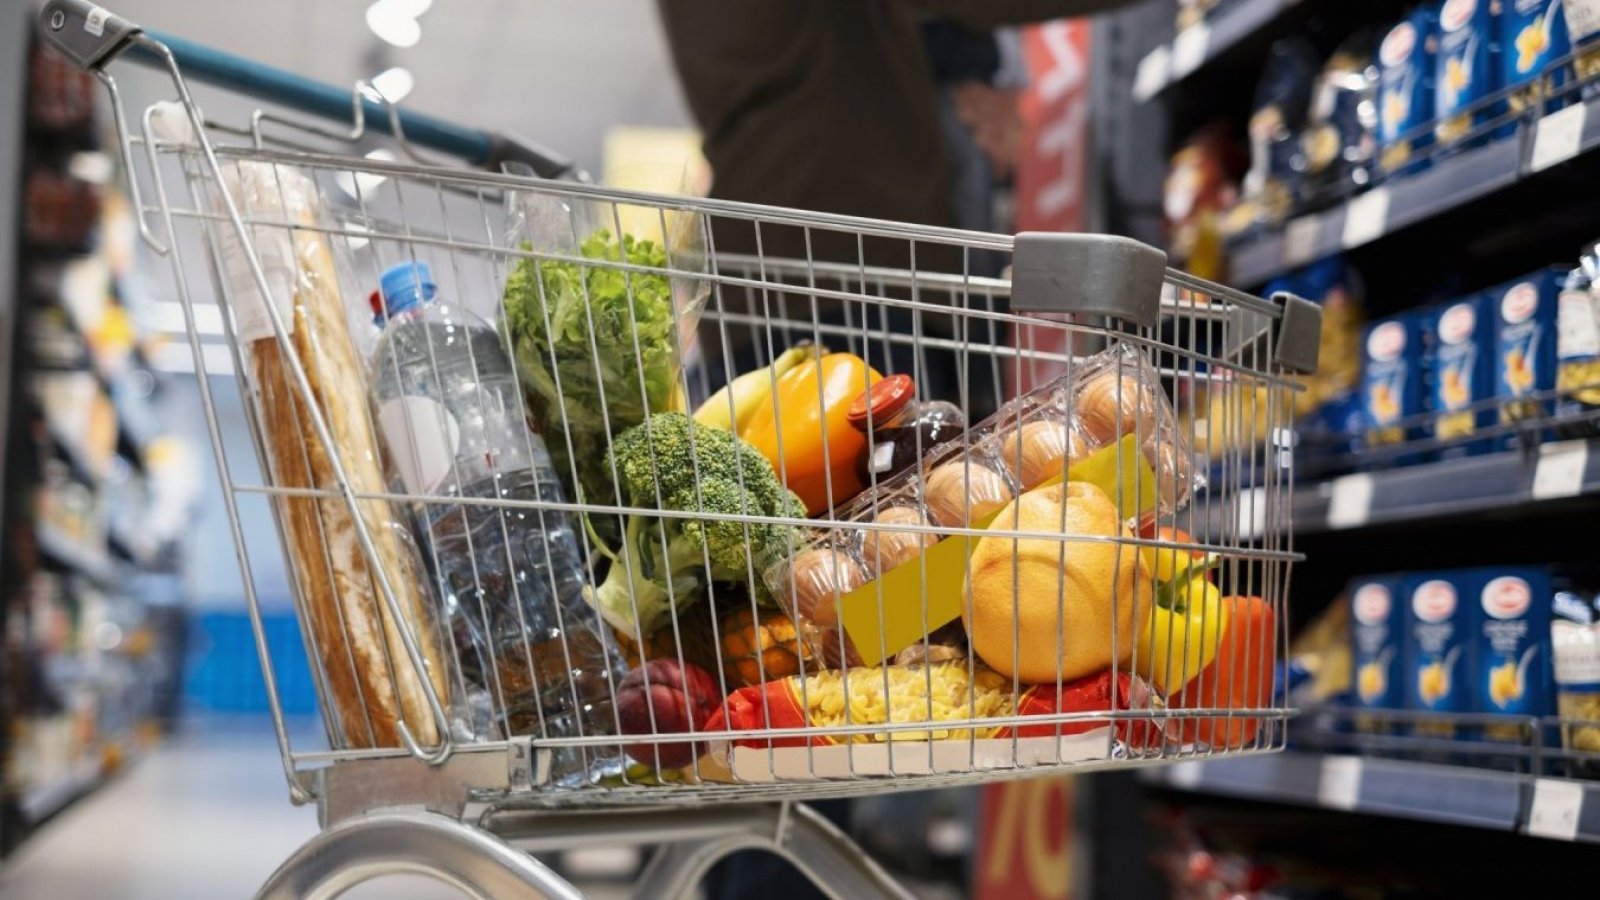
<point>1250,512</point>
<point>1557,138</point>
<point>1583,18</point>
<point>1559,471</point>
<point>1340,785</point>
<point>1300,240</point>
<point>1350,501</point>
<point>1151,76</point>
<point>1189,49</point>
<point>1366,217</point>
<point>1185,775</point>
<point>1555,810</point>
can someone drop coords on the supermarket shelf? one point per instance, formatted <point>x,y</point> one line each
<point>76,458</point>
<point>1195,47</point>
<point>46,800</point>
<point>1427,792</point>
<point>1505,480</point>
<point>72,556</point>
<point>1450,184</point>
<point>1495,481</point>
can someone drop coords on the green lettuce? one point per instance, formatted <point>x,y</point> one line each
<point>615,360</point>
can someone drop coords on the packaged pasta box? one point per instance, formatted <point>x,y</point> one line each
<point>1377,624</point>
<point>1393,377</point>
<point>1466,67</point>
<point>1438,650</point>
<point>1463,380</point>
<point>1578,356</point>
<point>1583,30</point>
<point>1575,652</point>
<point>1512,637</point>
<point>1532,35</point>
<point>1405,89</point>
<point>1526,312</point>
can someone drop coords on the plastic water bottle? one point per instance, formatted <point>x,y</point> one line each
<point>511,579</point>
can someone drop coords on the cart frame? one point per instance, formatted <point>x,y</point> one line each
<point>465,812</point>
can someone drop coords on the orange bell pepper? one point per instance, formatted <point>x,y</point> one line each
<point>807,397</point>
<point>1239,678</point>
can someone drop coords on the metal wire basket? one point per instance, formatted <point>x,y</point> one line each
<point>688,583</point>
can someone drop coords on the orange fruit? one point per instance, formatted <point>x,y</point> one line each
<point>1068,606</point>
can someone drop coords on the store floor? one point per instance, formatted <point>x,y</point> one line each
<point>205,816</point>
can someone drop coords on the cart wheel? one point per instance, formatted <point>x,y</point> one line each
<point>412,843</point>
<point>833,862</point>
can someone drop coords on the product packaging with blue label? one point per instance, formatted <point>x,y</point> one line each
<point>1466,69</point>
<point>1405,90</point>
<point>1526,313</point>
<point>1463,374</point>
<point>1532,35</point>
<point>1438,651</point>
<point>1512,675</point>
<point>1394,377</point>
<point>1377,624</point>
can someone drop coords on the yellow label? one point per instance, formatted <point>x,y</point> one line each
<point>936,580</point>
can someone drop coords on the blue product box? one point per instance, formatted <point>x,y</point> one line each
<point>1405,90</point>
<point>1532,35</point>
<point>1377,623</point>
<point>1513,673</point>
<point>1466,68</point>
<point>1438,650</point>
<point>1526,318</point>
<point>1394,377</point>
<point>1463,374</point>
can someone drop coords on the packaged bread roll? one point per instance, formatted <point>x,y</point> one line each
<point>367,676</point>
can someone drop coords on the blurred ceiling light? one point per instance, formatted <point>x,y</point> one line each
<point>394,84</point>
<point>391,22</point>
<point>412,8</point>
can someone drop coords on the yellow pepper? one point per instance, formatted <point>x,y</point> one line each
<point>808,397</point>
<point>1185,626</point>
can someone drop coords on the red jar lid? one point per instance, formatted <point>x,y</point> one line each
<point>882,401</point>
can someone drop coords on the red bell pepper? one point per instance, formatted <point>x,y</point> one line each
<point>1239,678</point>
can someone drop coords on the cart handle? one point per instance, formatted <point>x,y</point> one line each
<point>92,37</point>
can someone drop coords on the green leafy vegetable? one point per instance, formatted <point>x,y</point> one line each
<point>587,357</point>
<point>673,462</point>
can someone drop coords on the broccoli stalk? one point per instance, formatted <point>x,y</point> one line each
<point>672,462</point>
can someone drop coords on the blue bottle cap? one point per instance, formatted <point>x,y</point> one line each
<point>405,285</point>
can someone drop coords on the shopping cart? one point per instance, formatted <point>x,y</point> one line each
<point>1036,593</point>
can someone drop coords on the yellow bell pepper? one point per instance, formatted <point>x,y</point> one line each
<point>1186,623</point>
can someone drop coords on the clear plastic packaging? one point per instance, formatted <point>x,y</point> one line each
<point>599,346</point>
<point>351,636</point>
<point>1106,422</point>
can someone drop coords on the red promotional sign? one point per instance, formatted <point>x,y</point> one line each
<point>1052,162</point>
<point>1025,841</point>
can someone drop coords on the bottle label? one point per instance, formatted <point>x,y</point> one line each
<point>422,437</point>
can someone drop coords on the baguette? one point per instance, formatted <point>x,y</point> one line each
<point>367,678</point>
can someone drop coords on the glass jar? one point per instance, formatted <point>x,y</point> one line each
<point>899,428</point>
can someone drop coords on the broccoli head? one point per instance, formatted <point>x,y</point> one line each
<point>671,462</point>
